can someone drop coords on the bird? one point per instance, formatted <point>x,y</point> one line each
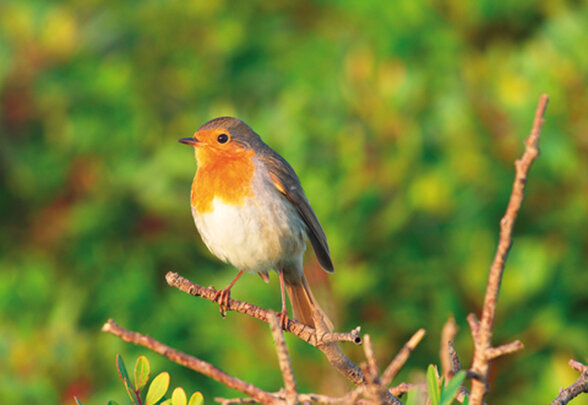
<point>251,211</point>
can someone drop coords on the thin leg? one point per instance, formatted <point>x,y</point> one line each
<point>283,314</point>
<point>222,296</point>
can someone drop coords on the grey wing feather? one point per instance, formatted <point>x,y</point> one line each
<point>287,183</point>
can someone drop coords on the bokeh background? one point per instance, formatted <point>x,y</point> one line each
<point>402,119</point>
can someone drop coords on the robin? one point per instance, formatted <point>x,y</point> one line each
<point>251,211</point>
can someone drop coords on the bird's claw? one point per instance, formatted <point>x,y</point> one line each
<point>221,297</point>
<point>283,318</point>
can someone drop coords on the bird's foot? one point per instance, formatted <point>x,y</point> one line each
<point>283,318</point>
<point>221,297</point>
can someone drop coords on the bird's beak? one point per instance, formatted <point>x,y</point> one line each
<point>189,141</point>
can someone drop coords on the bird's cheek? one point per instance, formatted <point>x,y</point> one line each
<point>200,156</point>
<point>205,155</point>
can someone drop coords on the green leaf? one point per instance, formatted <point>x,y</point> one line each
<point>413,397</point>
<point>122,370</point>
<point>157,389</point>
<point>142,372</point>
<point>433,385</point>
<point>179,397</point>
<point>196,399</point>
<point>77,400</point>
<point>466,400</point>
<point>166,402</point>
<point>112,403</point>
<point>124,376</point>
<point>450,390</point>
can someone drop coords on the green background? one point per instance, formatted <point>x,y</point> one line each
<point>402,119</point>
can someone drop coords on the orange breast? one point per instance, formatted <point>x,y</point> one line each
<point>227,177</point>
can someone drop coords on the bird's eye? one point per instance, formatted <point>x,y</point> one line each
<point>222,138</point>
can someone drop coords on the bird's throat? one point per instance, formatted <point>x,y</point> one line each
<point>228,178</point>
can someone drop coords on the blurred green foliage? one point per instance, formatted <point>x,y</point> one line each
<point>402,119</point>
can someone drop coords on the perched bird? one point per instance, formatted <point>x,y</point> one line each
<point>251,211</point>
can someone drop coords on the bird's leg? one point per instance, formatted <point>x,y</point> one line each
<point>222,296</point>
<point>283,314</point>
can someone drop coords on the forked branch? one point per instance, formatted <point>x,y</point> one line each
<point>324,340</point>
<point>482,330</point>
<point>289,395</point>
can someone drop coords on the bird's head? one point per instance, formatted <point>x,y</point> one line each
<point>222,138</point>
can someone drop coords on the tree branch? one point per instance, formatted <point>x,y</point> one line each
<point>376,387</point>
<point>482,331</point>
<point>447,336</point>
<point>403,388</point>
<point>299,329</point>
<point>512,347</point>
<point>324,340</point>
<point>578,387</point>
<point>372,365</point>
<point>190,362</point>
<point>284,361</point>
<point>350,398</point>
<point>370,387</point>
<point>398,362</point>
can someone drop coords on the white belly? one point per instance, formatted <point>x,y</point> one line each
<point>255,236</point>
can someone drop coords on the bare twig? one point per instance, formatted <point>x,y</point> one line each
<point>453,358</point>
<point>320,338</point>
<point>284,361</point>
<point>578,387</point>
<point>372,365</point>
<point>455,366</point>
<point>403,388</point>
<point>482,330</point>
<point>190,362</point>
<point>447,336</point>
<point>576,365</point>
<point>350,398</point>
<point>335,337</point>
<point>398,362</point>
<point>299,329</point>
<point>375,389</point>
<point>231,401</point>
<point>512,347</point>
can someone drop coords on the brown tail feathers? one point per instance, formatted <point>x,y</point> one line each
<point>304,303</point>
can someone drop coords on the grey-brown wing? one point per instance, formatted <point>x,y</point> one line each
<point>287,183</point>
